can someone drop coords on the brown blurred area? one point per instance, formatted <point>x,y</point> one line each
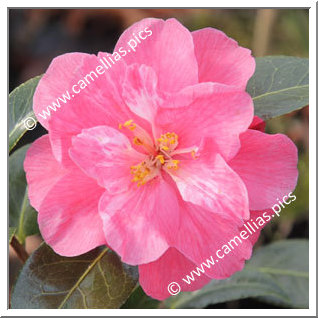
<point>36,36</point>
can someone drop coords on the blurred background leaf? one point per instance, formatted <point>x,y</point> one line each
<point>20,108</point>
<point>96,279</point>
<point>21,215</point>
<point>139,300</point>
<point>279,85</point>
<point>273,275</point>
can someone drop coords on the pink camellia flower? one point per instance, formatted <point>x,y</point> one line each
<point>155,158</point>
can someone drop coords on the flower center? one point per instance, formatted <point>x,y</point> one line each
<point>160,153</point>
<point>150,167</point>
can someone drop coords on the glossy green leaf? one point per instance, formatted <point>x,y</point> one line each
<point>96,279</point>
<point>287,264</point>
<point>140,300</point>
<point>277,273</point>
<point>21,214</point>
<point>11,233</point>
<point>279,85</point>
<point>20,109</point>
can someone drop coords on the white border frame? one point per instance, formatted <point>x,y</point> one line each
<point>312,161</point>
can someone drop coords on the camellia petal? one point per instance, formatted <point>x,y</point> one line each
<point>268,166</point>
<point>214,186</point>
<point>258,124</point>
<point>260,218</point>
<point>106,155</point>
<point>198,240</point>
<point>97,103</point>
<point>68,217</point>
<point>139,224</point>
<point>221,59</point>
<point>42,170</point>
<point>221,115</point>
<point>175,70</point>
<point>60,75</point>
<point>140,91</point>
<point>170,268</point>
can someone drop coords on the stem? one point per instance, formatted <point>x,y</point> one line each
<point>19,249</point>
<point>264,22</point>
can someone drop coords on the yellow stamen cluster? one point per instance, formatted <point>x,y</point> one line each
<point>140,173</point>
<point>173,164</point>
<point>161,158</point>
<point>168,141</point>
<point>160,154</point>
<point>128,124</point>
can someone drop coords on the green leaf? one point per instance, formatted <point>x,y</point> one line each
<point>21,214</point>
<point>20,108</point>
<point>277,273</point>
<point>139,300</point>
<point>96,279</point>
<point>279,85</point>
<point>287,263</point>
<point>11,233</point>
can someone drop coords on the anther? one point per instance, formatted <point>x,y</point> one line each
<point>137,141</point>
<point>161,159</point>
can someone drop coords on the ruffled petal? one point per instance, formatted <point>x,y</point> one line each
<point>97,100</point>
<point>106,155</point>
<point>59,77</point>
<point>221,59</point>
<point>174,70</point>
<point>268,166</point>
<point>203,234</point>
<point>207,110</point>
<point>68,217</point>
<point>139,224</point>
<point>42,170</point>
<point>213,185</point>
<point>140,91</point>
<point>171,267</point>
